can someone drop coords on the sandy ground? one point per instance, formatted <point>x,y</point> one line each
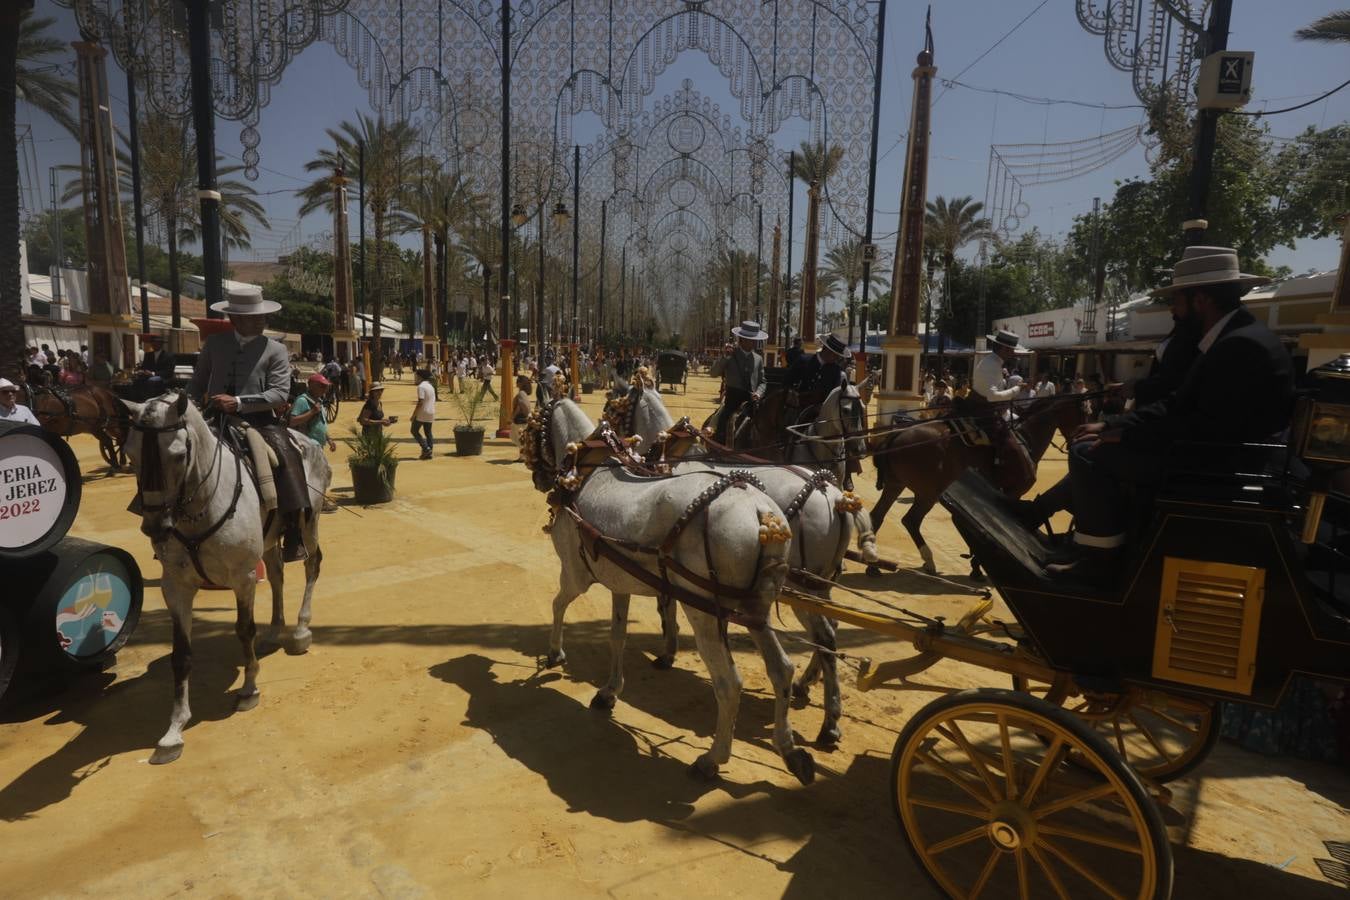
<point>418,749</point>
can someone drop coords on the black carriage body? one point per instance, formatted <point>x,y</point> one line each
<point>1217,597</point>
<point>672,367</point>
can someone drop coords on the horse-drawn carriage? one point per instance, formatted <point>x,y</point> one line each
<point>1052,783</point>
<point>672,368</point>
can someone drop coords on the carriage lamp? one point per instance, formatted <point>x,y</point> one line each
<point>1322,434</point>
<point>560,215</point>
<point>518,215</point>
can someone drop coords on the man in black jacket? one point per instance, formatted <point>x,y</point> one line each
<point>1240,388</point>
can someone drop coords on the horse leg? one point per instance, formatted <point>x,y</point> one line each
<point>301,637</point>
<point>711,637</point>
<point>246,630</point>
<point>821,630</point>
<point>561,600</point>
<point>179,601</point>
<point>670,630</point>
<point>779,669</point>
<point>889,494</point>
<point>277,581</point>
<point>618,634</point>
<point>913,520</point>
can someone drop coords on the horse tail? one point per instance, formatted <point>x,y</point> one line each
<point>867,537</point>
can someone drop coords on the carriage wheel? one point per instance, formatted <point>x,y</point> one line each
<point>1160,735</point>
<point>989,809</point>
<point>330,410</point>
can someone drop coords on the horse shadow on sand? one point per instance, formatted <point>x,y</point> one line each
<point>118,716</point>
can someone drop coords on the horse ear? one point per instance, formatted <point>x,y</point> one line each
<point>133,409</point>
<point>181,406</point>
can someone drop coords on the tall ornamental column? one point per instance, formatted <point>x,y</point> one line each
<point>901,387</point>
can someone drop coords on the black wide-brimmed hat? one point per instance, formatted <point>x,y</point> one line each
<point>832,343</point>
<point>1004,339</point>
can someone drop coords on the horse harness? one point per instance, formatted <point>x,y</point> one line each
<point>580,463</point>
<point>150,460</point>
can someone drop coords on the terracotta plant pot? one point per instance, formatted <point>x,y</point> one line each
<point>468,440</point>
<point>368,486</point>
<point>587,387</point>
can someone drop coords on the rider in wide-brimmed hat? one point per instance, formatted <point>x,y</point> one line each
<point>243,373</point>
<point>990,392</point>
<point>1240,389</point>
<point>742,368</point>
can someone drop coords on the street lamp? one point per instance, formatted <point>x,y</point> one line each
<point>560,215</point>
<point>518,215</point>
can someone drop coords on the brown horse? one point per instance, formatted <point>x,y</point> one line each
<point>928,457</point>
<point>83,409</point>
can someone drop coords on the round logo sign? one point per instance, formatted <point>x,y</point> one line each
<point>94,609</point>
<point>32,490</point>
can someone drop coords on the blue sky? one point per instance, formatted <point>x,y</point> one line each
<point>1049,56</point>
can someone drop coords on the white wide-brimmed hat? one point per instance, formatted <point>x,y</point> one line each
<point>1202,266</point>
<point>247,302</point>
<point>750,331</point>
<point>1004,338</point>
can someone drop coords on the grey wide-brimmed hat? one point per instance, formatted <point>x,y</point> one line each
<point>1003,338</point>
<point>750,331</point>
<point>247,302</point>
<point>1202,266</point>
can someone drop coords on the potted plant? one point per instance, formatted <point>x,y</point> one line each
<point>473,408</point>
<point>373,462</point>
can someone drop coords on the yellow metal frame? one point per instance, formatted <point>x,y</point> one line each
<point>1247,586</point>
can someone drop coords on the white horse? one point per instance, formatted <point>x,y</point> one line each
<point>822,519</point>
<point>202,514</point>
<point>723,542</point>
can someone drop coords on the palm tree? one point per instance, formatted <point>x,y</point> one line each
<point>436,204</point>
<point>11,332</point>
<point>169,188</point>
<point>953,224</point>
<point>35,77</point>
<point>389,150</point>
<point>814,165</point>
<point>1334,27</point>
<point>844,267</point>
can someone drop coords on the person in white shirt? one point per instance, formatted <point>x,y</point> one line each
<point>1046,386</point>
<point>1014,471</point>
<point>10,409</point>
<point>424,413</point>
<point>485,371</point>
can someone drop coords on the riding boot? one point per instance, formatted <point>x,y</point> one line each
<point>292,542</point>
<point>1091,565</point>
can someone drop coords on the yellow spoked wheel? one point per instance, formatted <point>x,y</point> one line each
<point>991,809</point>
<point>1160,735</point>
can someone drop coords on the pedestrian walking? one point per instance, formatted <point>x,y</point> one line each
<point>371,418</point>
<point>485,372</point>
<point>424,412</point>
<point>520,411</point>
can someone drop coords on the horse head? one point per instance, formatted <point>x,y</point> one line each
<point>549,430</point>
<point>845,415</point>
<point>160,449</point>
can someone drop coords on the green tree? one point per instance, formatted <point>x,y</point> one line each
<point>388,150</point>
<point>953,224</point>
<point>815,165</point>
<point>1334,27</point>
<point>36,76</point>
<point>844,268</point>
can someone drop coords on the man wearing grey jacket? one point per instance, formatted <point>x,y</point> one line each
<point>244,373</point>
<point>742,369</point>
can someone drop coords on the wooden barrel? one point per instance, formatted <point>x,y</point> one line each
<point>39,490</point>
<point>77,604</point>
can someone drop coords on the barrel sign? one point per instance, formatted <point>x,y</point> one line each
<point>32,490</point>
<point>97,606</point>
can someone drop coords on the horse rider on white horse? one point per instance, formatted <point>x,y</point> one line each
<point>245,374</point>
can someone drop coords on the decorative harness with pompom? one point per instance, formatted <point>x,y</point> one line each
<point>606,448</point>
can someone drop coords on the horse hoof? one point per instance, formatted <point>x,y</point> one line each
<point>870,555</point>
<point>603,702</point>
<point>829,736</point>
<point>245,702</point>
<point>554,658</point>
<point>299,644</point>
<point>165,755</point>
<point>663,662</point>
<point>703,769</point>
<point>801,694</point>
<point>800,764</point>
<point>873,571</point>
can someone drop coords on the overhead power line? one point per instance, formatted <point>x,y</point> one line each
<point>1276,112</point>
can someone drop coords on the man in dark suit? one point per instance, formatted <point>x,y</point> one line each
<point>1172,360</point>
<point>1240,388</point>
<point>156,362</point>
